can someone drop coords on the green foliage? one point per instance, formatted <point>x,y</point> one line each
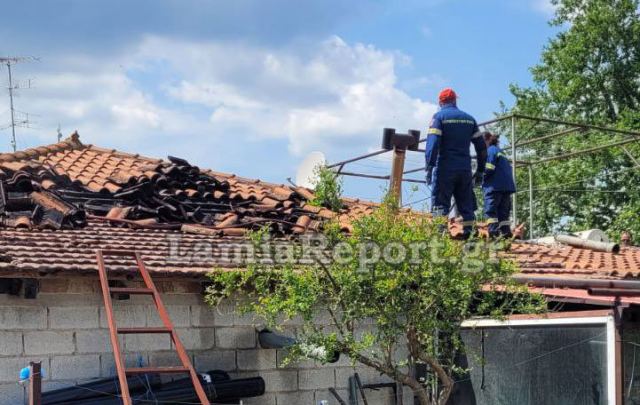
<point>588,73</point>
<point>328,191</point>
<point>373,309</point>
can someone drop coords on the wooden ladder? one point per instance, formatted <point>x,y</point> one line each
<point>168,328</point>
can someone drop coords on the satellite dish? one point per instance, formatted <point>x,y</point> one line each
<point>306,175</point>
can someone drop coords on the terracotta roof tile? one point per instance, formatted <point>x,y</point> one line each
<point>70,166</point>
<point>88,168</point>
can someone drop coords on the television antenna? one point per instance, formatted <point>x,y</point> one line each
<point>10,61</point>
<point>59,133</point>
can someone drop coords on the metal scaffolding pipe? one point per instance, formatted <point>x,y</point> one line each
<point>377,177</point>
<point>608,247</point>
<point>573,124</point>
<point>355,159</point>
<point>584,151</point>
<point>531,228</point>
<point>513,159</point>
<point>550,136</point>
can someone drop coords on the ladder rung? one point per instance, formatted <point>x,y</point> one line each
<point>156,370</point>
<point>115,252</point>
<point>143,330</point>
<point>130,290</point>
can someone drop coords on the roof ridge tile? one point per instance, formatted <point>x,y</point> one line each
<point>71,142</point>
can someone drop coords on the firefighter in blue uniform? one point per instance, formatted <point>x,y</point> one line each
<point>497,188</point>
<point>448,160</point>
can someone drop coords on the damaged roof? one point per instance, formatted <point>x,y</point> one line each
<point>61,202</point>
<point>59,186</point>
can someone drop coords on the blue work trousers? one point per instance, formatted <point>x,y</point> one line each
<point>497,210</point>
<point>459,184</point>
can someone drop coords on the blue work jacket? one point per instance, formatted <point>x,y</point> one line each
<point>449,138</point>
<point>498,175</point>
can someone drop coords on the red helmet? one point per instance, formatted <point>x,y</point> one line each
<point>447,96</point>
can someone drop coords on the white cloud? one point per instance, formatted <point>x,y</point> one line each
<point>544,6</point>
<point>336,93</point>
<point>227,98</point>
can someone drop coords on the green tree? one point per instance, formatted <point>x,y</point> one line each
<point>589,72</point>
<point>412,299</point>
<point>328,189</point>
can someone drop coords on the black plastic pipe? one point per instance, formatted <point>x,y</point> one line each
<point>182,391</point>
<point>98,388</point>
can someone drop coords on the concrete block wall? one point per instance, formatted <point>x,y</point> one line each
<point>65,327</point>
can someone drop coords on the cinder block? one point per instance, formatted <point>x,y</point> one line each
<point>280,381</point>
<point>147,342</point>
<point>95,341</point>
<point>126,315</point>
<point>197,338</point>
<point>266,399</point>
<point>54,285</point>
<point>182,299</point>
<point>240,319</point>
<point>239,337</point>
<point>299,397</point>
<point>108,364</point>
<point>203,315</point>
<point>302,363</point>
<point>326,395</point>
<point>174,287</point>
<point>70,300</point>
<point>314,379</point>
<point>218,359</point>
<point>23,317</point>
<point>225,313</point>
<point>10,367</point>
<point>368,375</point>
<point>12,394</point>
<point>11,343</point>
<point>257,359</point>
<point>180,315</point>
<point>48,342</point>
<point>74,317</point>
<point>162,359</point>
<point>78,367</point>
<point>67,285</point>
<point>385,397</point>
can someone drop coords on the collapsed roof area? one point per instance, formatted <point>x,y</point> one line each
<point>61,186</point>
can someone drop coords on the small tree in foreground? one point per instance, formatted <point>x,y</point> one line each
<point>395,285</point>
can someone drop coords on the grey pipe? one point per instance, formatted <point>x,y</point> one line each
<point>588,244</point>
<point>582,283</point>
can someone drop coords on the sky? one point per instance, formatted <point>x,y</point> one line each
<point>253,86</point>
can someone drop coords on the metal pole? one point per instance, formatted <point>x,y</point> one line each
<point>35,383</point>
<point>13,122</point>
<point>513,165</point>
<point>395,185</point>
<point>531,230</point>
